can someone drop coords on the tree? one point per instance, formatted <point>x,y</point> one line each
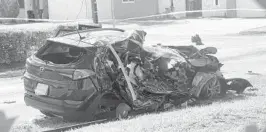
<point>9,8</point>
<point>262,3</point>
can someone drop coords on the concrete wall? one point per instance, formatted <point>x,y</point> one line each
<point>73,9</point>
<point>45,10</point>
<point>29,5</point>
<point>136,9</point>
<point>231,4</point>
<point>69,9</point>
<point>22,13</point>
<point>180,5</point>
<point>162,5</point>
<point>211,5</point>
<point>104,9</point>
<point>250,4</point>
<point>78,9</point>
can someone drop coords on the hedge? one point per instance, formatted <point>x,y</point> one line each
<point>19,42</point>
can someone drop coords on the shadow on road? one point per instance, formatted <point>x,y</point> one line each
<point>51,122</point>
<point>55,122</point>
<point>230,96</point>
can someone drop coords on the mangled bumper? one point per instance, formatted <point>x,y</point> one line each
<point>57,107</point>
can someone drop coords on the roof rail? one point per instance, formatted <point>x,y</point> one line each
<point>88,26</point>
<point>72,31</point>
<point>80,27</point>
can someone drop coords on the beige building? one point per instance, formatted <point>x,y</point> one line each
<point>251,4</point>
<point>38,7</point>
<point>81,9</point>
<point>22,12</point>
<point>234,4</point>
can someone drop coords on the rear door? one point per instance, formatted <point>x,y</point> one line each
<point>46,76</point>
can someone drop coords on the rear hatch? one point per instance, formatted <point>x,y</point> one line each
<point>60,71</point>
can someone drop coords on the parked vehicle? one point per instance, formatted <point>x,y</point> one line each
<point>87,74</point>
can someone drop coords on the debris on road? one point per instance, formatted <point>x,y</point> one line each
<point>238,84</point>
<point>196,39</point>
<point>9,102</point>
<point>252,73</point>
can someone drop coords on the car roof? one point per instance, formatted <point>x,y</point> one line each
<point>92,36</point>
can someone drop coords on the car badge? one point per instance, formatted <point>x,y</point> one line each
<point>42,69</point>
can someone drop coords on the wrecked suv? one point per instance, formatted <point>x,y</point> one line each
<point>85,74</point>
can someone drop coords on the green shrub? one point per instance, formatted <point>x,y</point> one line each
<point>18,44</point>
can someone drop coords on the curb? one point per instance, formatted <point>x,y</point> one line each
<point>10,74</point>
<point>253,33</point>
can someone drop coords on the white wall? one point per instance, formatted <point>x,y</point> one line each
<point>179,5</point>
<point>22,13</point>
<point>210,5</point>
<point>231,4</point>
<point>249,4</point>
<point>69,9</point>
<point>163,4</point>
<point>104,9</point>
<point>28,5</point>
<point>78,9</point>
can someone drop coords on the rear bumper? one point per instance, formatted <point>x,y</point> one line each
<point>57,107</point>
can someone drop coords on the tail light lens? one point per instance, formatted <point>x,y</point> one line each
<point>30,83</point>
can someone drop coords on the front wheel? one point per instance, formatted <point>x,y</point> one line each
<point>211,88</point>
<point>122,111</point>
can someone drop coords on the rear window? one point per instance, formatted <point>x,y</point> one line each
<point>59,53</point>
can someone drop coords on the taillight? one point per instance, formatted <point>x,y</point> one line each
<point>81,74</point>
<point>30,83</point>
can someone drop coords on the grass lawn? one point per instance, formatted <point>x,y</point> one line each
<point>230,114</point>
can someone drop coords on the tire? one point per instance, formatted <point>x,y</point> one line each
<point>224,87</point>
<point>211,88</point>
<point>48,114</point>
<point>122,111</point>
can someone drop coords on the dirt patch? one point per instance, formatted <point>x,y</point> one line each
<point>254,31</point>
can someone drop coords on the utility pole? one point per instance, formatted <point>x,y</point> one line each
<point>113,13</point>
<point>172,5</point>
<point>94,11</point>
